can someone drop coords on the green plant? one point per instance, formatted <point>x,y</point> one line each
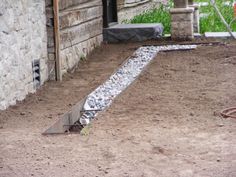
<point>209,23</point>
<point>82,57</point>
<point>86,130</point>
<point>212,22</point>
<point>156,15</point>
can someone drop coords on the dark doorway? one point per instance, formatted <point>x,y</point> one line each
<point>109,13</point>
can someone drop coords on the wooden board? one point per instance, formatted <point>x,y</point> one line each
<point>78,16</point>
<point>63,4</point>
<point>80,33</point>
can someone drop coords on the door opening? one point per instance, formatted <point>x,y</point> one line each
<point>109,13</point>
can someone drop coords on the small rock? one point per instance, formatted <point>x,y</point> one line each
<point>220,125</point>
<point>22,113</point>
<point>40,99</point>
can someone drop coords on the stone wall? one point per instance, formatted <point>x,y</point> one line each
<point>22,40</point>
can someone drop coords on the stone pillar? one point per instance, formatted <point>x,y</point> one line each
<point>196,18</point>
<point>181,21</point>
<point>190,2</point>
<point>180,3</point>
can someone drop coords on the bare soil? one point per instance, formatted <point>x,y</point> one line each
<point>166,124</point>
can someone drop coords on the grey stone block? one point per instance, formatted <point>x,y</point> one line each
<point>182,23</point>
<point>132,32</point>
<point>181,17</point>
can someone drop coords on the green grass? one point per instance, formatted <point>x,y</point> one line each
<point>211,23</point>
<point>157,15</point>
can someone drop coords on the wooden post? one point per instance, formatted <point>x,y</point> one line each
<point>57,40</point>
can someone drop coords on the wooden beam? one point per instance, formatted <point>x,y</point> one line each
<point>57,40</point>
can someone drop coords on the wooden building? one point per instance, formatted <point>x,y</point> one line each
<point>81,24</point>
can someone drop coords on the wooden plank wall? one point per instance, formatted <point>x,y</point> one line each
<point>80,31</point>
<point>80,28</point>
<point>122,4</point>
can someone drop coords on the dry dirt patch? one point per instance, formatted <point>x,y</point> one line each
<point>163,125</point>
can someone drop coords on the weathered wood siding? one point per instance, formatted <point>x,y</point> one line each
<point>80,31</point>
<point>80,28</point>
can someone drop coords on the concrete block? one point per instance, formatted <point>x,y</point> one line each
<point>181,17</point>
<point>180,3</point>
<point>132,32</point>
<point>182,23</point>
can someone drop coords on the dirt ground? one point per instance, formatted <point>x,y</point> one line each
<point>166,124</point>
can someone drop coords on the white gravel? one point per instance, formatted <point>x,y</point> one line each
<point>102,96</point>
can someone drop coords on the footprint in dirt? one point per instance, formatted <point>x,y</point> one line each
<point>160,150</point>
